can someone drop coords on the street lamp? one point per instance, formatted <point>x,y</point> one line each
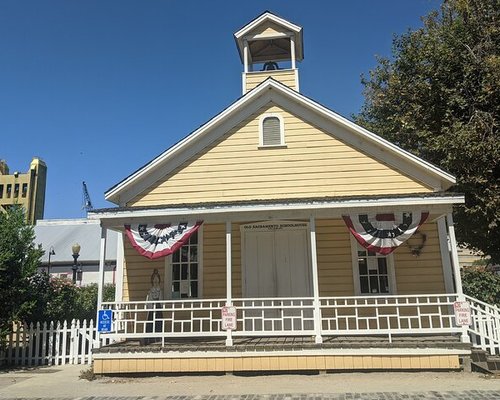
<point>76,253</point>
<point>51,253</point>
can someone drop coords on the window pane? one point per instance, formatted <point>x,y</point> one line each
<point>176,287</point>
<point>176,272</point>
<point>361,253</point>
<point>382,266</point>
<point>184,271</point>
<point>363,269</point>
<point>374,284</point>
<point>193,271</point>
<point>175,256</point>
<point>194,289</point>
<point>184,253</point>
<point>372,253</point>
<point>384,284</point>
<point>193,254</point>
<point>364,284</point>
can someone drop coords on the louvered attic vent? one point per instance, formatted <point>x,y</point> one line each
<point>271,132</point>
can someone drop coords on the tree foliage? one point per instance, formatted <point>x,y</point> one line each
<point>59,299</point>
<point>439,98</point>
<point>19,259</point>
<point>481,283</point>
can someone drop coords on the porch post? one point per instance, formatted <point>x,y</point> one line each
<point>314,266</point>
<point>454,255</point>
<point>456,269</point>
<point>100,283</point>
<point>229,294</point>
<point>119,268</point>
<point>445,255</point>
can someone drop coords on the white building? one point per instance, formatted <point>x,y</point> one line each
<point>57,238</point>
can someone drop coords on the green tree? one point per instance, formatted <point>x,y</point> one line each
<point>481,283</point>
<point>19,259</point>
<point>86,300</point>
<point>439,98</point>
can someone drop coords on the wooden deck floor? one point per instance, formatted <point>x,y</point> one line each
<point>285,343</point>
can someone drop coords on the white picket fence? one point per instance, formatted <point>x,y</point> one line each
<point>53,343</point>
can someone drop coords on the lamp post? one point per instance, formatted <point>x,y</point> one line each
<point>76,253</point>
<point>51,253</point>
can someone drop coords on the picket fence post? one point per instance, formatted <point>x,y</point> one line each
<point>51,343</point>
<point>91,341</point>
<point>18,358</point>
<point>37,344</point>
<point>31,334</point>
<point>64,347</point>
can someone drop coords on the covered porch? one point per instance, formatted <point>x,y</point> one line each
<point>335,290</point>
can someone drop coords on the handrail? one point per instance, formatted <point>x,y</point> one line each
<point>482,303</point>
<point>485,328</point>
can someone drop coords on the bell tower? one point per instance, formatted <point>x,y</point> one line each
<point>270,46</point>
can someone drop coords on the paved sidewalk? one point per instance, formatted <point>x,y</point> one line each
<point>466,395</point>
<point>470,395</point>
<point>62,382</point>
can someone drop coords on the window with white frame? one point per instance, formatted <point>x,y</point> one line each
<point>185,270</point>
<point>373,272</point>
<point>271,130</point>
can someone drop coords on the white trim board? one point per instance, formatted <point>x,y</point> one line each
<point>326,209</point>
<point>275,92</point>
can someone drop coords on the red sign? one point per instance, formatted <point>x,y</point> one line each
<point>462,313</point>
<point>229,318</point>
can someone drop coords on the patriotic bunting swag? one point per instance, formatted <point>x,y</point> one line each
<point>160,240</point>
<point>382,233</point>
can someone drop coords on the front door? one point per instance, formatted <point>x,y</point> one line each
<point>276,260</point>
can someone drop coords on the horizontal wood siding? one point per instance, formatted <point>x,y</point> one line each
<point>137,273</point>
<point>313,164</point>
<point>286,77</point>
<point>274,362</point>
<point>414,275</point>
<point>334,258</point>
<point>422,274</point>
<point>214,261</point>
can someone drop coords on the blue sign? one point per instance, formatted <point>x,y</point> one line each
<point>104,319</point>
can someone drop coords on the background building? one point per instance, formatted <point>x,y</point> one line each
<point>26,189</point>
<point>57,238</point>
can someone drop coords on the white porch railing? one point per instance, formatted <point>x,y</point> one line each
<point>485,328</point>
<point>360,315</point>
<point>363,315</point>
<point>388,315</point>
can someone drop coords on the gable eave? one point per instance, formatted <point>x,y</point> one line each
<point>267,15</point>
<point>370,136</point>
<point>240,35</point>
<point>114,194</point>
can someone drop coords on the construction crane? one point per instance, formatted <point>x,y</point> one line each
<point>87,203</point>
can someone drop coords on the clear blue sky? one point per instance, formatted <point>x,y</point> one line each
<point>97,88</point>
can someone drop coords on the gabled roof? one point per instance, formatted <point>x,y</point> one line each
<point>247,32</point>
<point>310,110</point>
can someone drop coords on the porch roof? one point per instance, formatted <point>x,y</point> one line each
<point>436,203</point>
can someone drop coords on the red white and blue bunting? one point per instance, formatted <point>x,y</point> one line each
<point>382,233</point>
<point>155,241</point>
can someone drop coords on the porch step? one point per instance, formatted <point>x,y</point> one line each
<point>485,362</point>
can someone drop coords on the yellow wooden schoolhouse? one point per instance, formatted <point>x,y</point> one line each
<point>282,236</point>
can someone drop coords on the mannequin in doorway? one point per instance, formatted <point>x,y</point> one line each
<point>154,294</point>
